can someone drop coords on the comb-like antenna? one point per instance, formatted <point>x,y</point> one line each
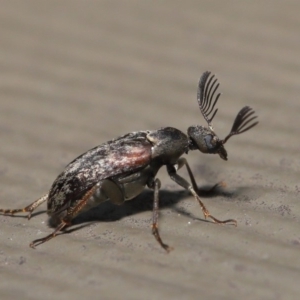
<point>205,96</point>
<point>240,122</point>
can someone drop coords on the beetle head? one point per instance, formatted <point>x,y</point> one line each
<point>204,138</point>
<point>206,141</point>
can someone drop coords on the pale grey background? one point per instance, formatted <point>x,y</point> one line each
<point>77,73</point>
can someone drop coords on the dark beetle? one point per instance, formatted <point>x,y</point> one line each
<point>120,169</point>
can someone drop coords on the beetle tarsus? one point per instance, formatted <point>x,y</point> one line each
<point>207,214</point>
<point>45,239</point>
<point>217,221</point>
<point>29,208</point>
<point>158,238</point>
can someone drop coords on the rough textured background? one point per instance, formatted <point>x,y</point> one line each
<point>77,73</point>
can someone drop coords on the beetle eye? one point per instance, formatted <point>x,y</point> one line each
<point>211,142</point>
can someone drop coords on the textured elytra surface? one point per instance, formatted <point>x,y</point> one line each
<point>75,75</point>
<point>119,156</point>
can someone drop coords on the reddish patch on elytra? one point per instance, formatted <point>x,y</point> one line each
<point>134,156</point>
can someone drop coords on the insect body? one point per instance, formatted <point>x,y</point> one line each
<point>120,169</point>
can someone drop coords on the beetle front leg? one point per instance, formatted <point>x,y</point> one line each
<point>30,208</point>
<point>193,188</point>
<point>155,185</point>
<point>183,162</point>
<point>71,214</point>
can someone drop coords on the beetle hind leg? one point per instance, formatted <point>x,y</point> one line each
<point>30,208</point>
<point>66,220</point>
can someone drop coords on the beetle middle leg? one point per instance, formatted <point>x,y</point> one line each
<point>29,208</point>
<point>193,189</point>
<point>156,186</point>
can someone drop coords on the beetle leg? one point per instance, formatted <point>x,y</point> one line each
<point>156,186</point>
<point>71,213</point>
<point>30,208</point>
<point>183,162</point>
<point>193,188</point>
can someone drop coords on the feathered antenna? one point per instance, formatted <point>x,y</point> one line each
<point>205,96</point>
<point>240,122</point>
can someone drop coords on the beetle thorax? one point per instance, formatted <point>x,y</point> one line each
<point>168,144</point>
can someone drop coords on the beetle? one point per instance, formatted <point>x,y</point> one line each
<point>120,169</point>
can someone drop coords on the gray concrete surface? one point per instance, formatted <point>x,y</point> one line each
<point>75,74</point>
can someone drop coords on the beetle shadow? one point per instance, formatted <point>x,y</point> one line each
<point>109,212</point>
